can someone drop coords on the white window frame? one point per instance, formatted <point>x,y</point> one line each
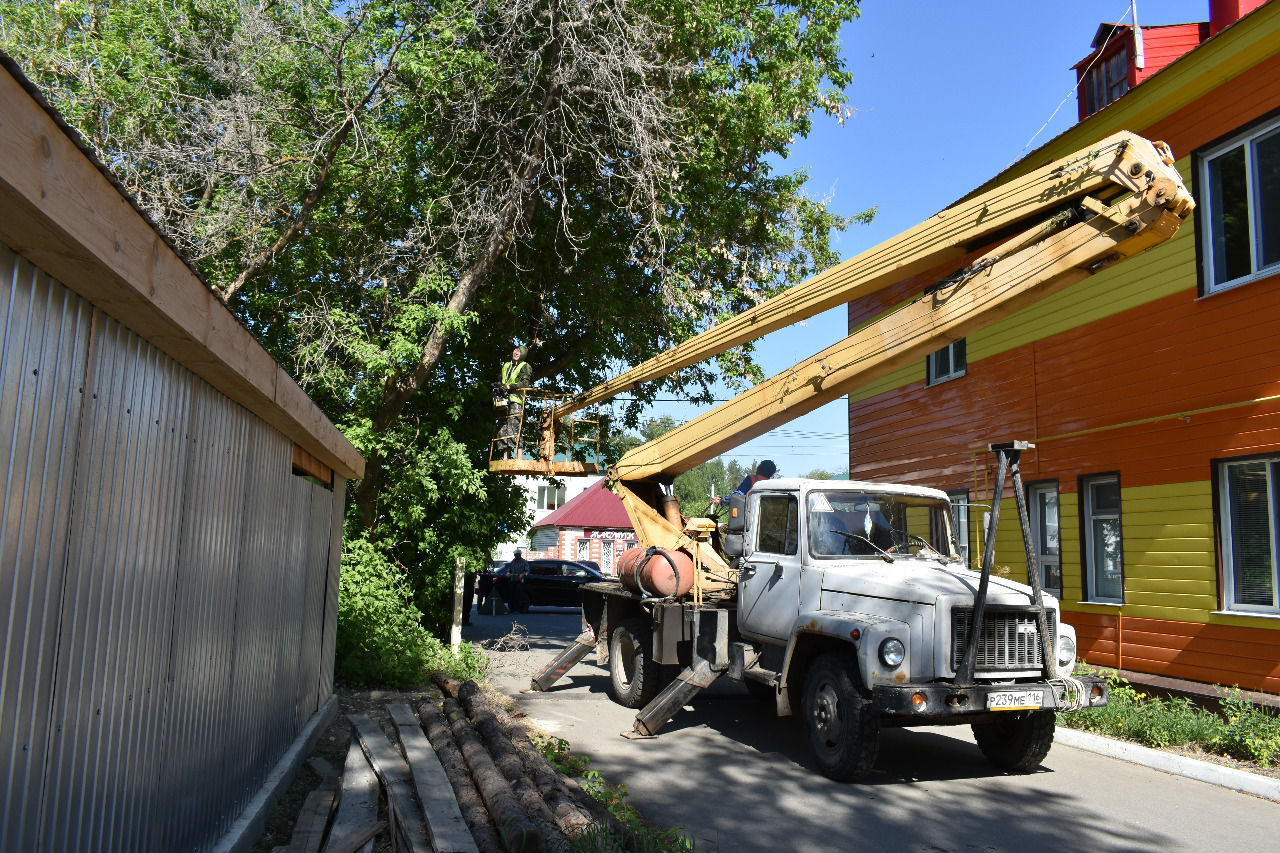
<point>1088,514</point>
<point>1224,515</point>
<point>551,497</point>
<point>932,374</point>
<point>1107,80</point>
<point>1248,141</point>
<point>1046,557</point>
<point>960,519</point>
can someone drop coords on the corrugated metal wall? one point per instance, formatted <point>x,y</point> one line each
<point>168,587</point>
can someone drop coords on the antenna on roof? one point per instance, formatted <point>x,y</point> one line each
<point>1139,56</point>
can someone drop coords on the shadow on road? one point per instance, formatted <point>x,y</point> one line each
<point>738,778</point>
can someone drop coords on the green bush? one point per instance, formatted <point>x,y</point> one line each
<point>1251,733</point>
<point>1156,722</point>
<point>1242,730</point>
<point>381,639</point>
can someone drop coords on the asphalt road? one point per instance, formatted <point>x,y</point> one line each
<point>737,778</point>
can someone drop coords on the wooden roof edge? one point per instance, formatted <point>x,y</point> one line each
<point>66,213</point>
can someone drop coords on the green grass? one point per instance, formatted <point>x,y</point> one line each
<point>1241,730</point>
<point>640,836</point>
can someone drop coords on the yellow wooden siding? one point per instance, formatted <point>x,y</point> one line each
<point>1170,563</point>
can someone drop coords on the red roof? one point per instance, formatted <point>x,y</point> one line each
<point>596,507</point>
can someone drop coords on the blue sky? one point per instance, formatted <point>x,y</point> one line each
<point>945,95</point>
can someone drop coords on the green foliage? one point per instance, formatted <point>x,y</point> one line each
<point>381,640</point>
<point>381,194</point>
<point>1242,730</point>
<point>1252,733</point>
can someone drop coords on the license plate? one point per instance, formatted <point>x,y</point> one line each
<point>1014,700</point>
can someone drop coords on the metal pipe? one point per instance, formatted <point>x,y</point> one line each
<point>964,674</point>
<point>1033,568</point>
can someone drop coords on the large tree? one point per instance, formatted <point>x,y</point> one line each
<point>391,193</point>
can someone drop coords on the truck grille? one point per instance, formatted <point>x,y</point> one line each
<point>1009,639</point>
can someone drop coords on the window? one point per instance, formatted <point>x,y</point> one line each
<point>550,497</point>
<point>946,363</point>
<point>1107,80</point>
<point>1043,500</point>
<point>1240,208</point>
<point>960,518</point>
<point>1103,547</point>
<point>1248,510</point>
<point>778,528</point>
<point>584,549</point>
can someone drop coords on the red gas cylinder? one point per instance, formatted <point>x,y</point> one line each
<point>656,572</point>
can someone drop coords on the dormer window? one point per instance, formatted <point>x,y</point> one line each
<point>1107,80</point>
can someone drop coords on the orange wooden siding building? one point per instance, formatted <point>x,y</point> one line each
<point>1152,391</point>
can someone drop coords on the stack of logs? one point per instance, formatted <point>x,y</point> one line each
<point>501,793</point>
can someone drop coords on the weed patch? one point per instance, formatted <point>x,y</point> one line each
<point>1242,730</point>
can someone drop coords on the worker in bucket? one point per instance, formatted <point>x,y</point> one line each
<point>517,374</point>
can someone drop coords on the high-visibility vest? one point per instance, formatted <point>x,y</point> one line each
<point>511,372</point>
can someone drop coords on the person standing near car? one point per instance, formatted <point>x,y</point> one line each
<point>517,571</point>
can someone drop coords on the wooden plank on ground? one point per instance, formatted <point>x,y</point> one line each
<point>449,832</point>
<point>358,805</point>
<point>308,832</point>
<point>394,775</point>
<point>322,768</point>
<point>359,841</point>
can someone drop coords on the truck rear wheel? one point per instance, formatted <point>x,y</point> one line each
<point>634,677</point>
<point>1018,742</point>
<point>844,730</point>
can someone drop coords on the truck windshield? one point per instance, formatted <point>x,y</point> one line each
<point>869,524</point>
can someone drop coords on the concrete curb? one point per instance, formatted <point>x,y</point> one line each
<point>248,827</point>
<point>1178,765</point>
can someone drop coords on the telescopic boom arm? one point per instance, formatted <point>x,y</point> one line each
<point>1102,170</point>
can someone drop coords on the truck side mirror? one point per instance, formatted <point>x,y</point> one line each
<point>734,545</point>
<point>737,513</point>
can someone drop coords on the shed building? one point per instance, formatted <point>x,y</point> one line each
<point>171,530</point>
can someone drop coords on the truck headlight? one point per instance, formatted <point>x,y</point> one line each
<point>892,652</point>
<point>1066,651</point>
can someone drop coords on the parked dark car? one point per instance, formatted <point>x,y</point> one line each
<point>551,582</point>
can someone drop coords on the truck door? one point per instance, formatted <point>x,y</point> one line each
<point>769,589</point>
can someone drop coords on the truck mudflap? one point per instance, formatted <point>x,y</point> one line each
<point>935,703</point>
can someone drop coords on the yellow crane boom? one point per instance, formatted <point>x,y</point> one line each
<point>1051,228</point>
<point>1102,169</point>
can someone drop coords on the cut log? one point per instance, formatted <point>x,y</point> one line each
<point>358,803</point>
<point>564,789</point>
<point>464,788</point>
<point>449,833</point>
<point>513,825</point>
<point>531,792</point>
<point>406,817</point>
<point>527,795</point>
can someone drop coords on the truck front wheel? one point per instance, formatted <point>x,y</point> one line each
<point>633,675</point>
<point>1018,742</point>
<point>844,730</point>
